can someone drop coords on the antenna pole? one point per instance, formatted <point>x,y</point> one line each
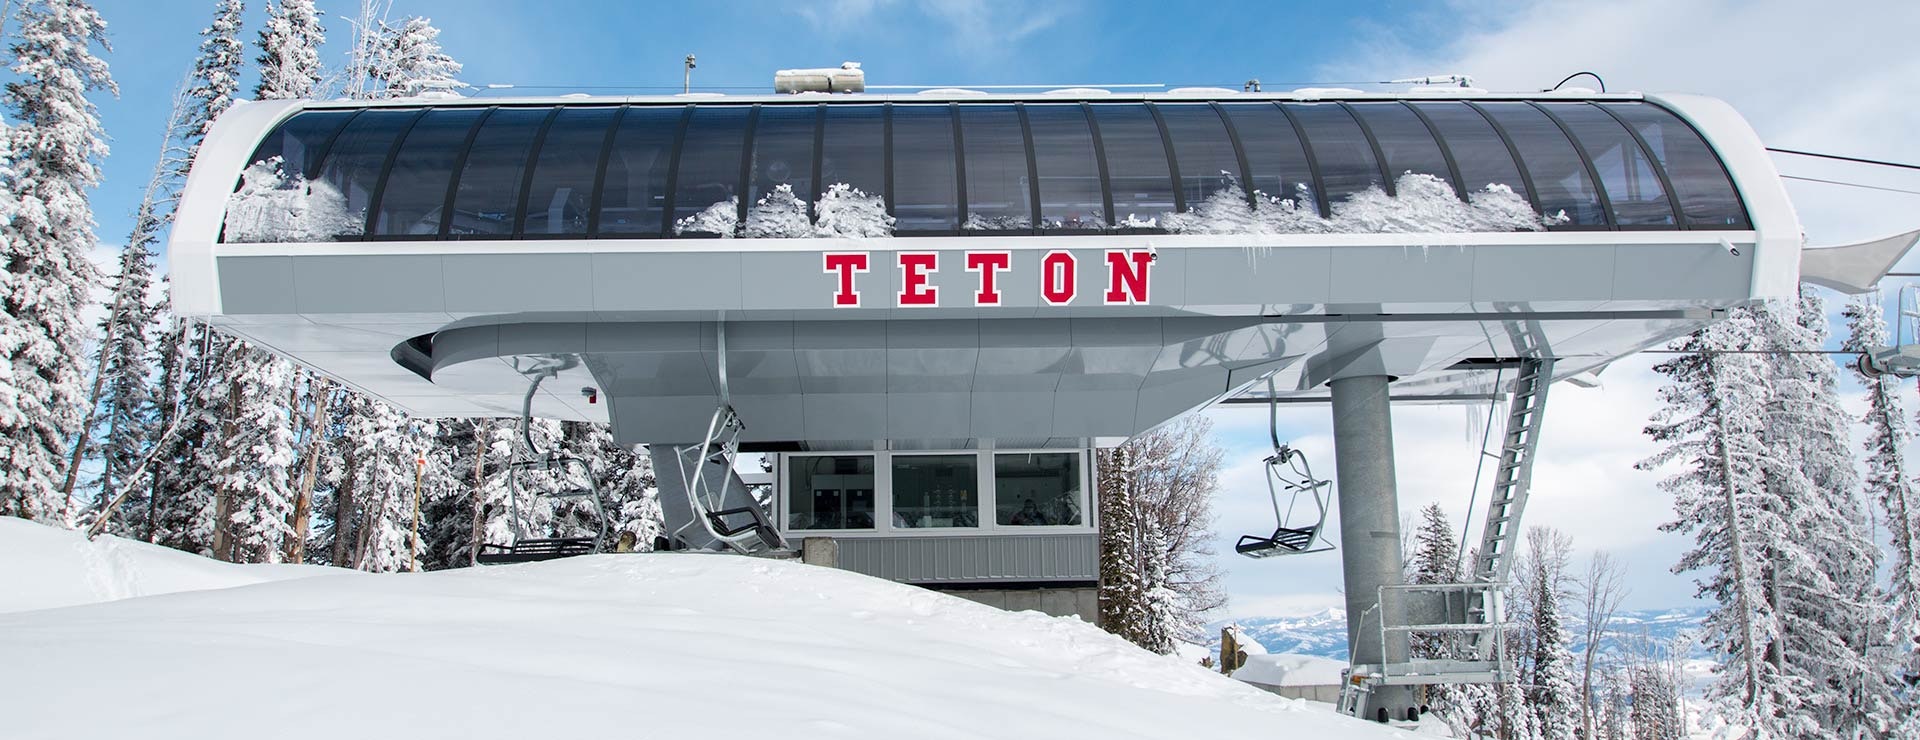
<point>686,82</point>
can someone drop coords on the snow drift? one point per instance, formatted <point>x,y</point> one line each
<point>656,645</point>
<point>42,568</point>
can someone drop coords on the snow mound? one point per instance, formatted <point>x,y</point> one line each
<point>43,567</point>
<point>273,205</point>
<point>654,645</point>
<point>1290,669</point>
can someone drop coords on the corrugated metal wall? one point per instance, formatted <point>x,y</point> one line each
<point>1012,558</point>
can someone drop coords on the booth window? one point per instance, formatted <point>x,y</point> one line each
<point>997,194</point>
<point>1706,195</point>
<point>302,140</point>
<point>936,491</point>
<point>1070,194</point>
<point>1630,180</point>
<point>1201,148</point>
<point>924,186</point>
<point>1483,157</point>
<point>830,492</point>
<point>783,154</point>
<point>352,166</point>
<point>1137,170</point>
<point>562,192</point>
<point>1560,180</point>
<point>1340,149</point>
<point>1276,162</point>
<point>1033,489</point>
<point>416,189</point>
<point>634,190</point>
<point>709,164</point>
<point>851,152</point>
<point>1404,141</point>
<point>489,187</point>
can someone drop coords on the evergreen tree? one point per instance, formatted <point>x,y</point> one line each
<point>215,76</point>
<point>130,330</point>
<point>1122,594</point>
<point>1436,560</point>
<point>290,51</point>
<point>1824,573</point>
<point>378,454</point>
<point>1711,422</point>
<point>1890,485</point>
<point>410,62</point>
<point>256,456</point>
<point>1552,694</point>
<point>1655,713</point>
<point>55,148</point>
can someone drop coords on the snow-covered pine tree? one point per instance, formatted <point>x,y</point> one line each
<point>130,330</point>
<point>625,478</point>
<point>1655,711</point>
<point>1823,573</point>
<point>378,452</point>
<point>409,61</point>
<point>1165,617</point>
<point>1890,485</point>
<point>256,456</point>
<point>1436,559</point>
<point>1553,697</point>
<point>290,51</point>
<point>1712,423</point>
<point>1122,594</point>
<point>56,144</point>
<point>215,77</point>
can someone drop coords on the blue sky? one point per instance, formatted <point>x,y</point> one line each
<point>1806,77</point>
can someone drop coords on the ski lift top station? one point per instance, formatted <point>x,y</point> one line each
<point>986,287</point>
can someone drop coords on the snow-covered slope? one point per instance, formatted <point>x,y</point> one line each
<point>43,567</point>
<point>655,645</point>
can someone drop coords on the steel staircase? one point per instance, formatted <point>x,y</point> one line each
<point>1500,532</point>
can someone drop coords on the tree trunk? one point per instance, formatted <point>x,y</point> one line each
<point>303,499</point>
<point>93,415</point>
<point>223,496</point>
<point>1739,555</point>
<point>477,537</point>
<point>343,517</point>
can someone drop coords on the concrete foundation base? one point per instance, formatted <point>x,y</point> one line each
<point>1083,602</point>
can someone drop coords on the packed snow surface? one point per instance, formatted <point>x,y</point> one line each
<point>650,645</point>
<point>42,568</point>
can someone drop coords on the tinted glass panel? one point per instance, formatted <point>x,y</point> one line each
<point>1069,175</point>
<point>298,141</point>
<point>489,187</point>
<point>1037,489</point>
<point>710,161</point>
<point>416,189</point>
<point>1340,149</point>
<point>1136,164</point>
<point>997,195</point>
<point>562,191</point>
<point>353,166</point>
<point>1404,140</point>
<point>783,152</point>
<point>1632,186</point>
<point>1477,149</point>
<point>1559,177</point>
<point>1278,162</point>
<point>851,149</point>
<point>830,492</point>
<point>1202,149</point>
<point>1707,197</point>
<point>936,491</point>
<point>635,191</point>
<point>924,190</point>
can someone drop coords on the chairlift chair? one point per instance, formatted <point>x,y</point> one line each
<point>1288,474</point>
<point>530,460</point>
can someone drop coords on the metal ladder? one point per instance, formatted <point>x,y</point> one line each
<point>1500,533</point>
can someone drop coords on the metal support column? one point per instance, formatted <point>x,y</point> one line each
<point>1369,529</point>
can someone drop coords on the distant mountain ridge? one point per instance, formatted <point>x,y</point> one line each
<point>1324,633</point>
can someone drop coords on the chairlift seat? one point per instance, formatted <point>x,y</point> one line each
<point>1283,541</point>
<point>528,551</point>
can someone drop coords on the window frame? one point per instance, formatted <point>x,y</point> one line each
<point>883,495</point>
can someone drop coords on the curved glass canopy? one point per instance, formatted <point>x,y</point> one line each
<point>596,170</point>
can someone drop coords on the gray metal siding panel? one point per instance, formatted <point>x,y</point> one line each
<point>990,558</point>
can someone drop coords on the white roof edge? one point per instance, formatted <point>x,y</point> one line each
<point>1776,263</point>
<point>969,97</point>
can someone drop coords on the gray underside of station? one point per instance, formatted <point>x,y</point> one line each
<point>646,329</point>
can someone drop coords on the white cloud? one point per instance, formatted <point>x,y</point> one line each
<point>1831,78</point>
<point>974,26</point>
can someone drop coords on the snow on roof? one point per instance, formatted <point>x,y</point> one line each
<point>668,645</point>
<point>1290,669</point>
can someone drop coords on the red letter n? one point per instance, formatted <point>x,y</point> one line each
<point>1127,276</point>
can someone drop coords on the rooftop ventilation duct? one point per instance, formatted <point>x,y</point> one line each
<point>847,78</point>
